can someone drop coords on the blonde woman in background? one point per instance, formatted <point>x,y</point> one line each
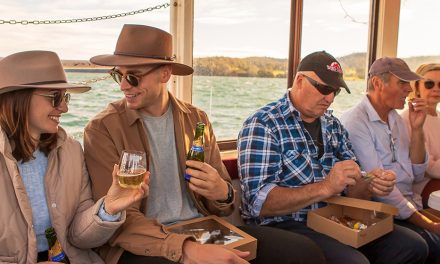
<point>429,89</point>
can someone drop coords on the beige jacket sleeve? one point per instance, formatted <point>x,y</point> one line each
<point>87,229</point>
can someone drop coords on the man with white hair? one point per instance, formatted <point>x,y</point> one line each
<point>380,139</point>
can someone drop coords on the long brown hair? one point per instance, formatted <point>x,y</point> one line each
<point>14,120</point>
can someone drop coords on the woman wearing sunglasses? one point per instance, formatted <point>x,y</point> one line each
<point>429,89</point>
<point>43,179</point>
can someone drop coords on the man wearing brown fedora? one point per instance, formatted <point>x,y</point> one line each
<point>151,119</point>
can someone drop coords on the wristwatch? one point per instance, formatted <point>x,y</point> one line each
<point>230,194</point>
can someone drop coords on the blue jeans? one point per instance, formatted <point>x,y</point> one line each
<point>431,238</point>
<point>273,246</point>
<point>402,245</point>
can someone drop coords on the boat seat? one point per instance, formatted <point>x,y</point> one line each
<point>231,166</point>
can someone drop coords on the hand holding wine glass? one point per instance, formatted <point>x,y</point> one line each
<point>130,182</point>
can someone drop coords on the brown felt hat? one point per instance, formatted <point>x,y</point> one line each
<point>34,69</point>
<point>143,45</point>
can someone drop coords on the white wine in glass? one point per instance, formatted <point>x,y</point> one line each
<point>132,168</point>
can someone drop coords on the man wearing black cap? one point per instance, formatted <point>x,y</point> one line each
<point>381,140</point>
<point>293,154</point>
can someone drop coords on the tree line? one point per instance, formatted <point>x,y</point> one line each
<point>354,66</point>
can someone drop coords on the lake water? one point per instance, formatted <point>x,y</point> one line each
<point>228,101</point>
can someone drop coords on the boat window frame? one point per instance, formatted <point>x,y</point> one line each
<point>382,41</point>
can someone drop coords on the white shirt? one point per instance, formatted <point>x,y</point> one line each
<point>372,144</point>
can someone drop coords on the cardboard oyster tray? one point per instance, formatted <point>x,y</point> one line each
<point>215,230</point>
<point>378,218</point>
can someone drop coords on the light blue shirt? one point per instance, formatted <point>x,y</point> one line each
<point>33,173</point>
<point>373,142</point>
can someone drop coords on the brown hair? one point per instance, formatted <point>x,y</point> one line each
<point>14,120</point>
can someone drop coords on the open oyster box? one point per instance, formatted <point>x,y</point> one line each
<point>354,222</point>
<point>215,230</point>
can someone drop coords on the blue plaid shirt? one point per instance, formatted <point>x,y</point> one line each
<point>276,150</point>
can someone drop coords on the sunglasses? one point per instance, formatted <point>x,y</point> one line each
<point>429,84</point>
<point>57,98</point>
<point>323,89</point>
<point>132,79</point>
<point>393,147</point>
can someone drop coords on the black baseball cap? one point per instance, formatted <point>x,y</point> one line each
<point>326,67</point>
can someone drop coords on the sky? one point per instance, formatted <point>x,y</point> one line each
<point>235,28</point>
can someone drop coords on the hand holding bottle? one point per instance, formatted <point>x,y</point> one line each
<point>206,181</point>
<point>196,151</point>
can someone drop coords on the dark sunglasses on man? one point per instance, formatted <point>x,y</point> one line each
<point>429,84</point>
<point>132,79</point>
<point>57,98</point>
<point>322,88</point>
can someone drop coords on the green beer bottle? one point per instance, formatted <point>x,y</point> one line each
<point>55,252</point>
<point>196,151</point>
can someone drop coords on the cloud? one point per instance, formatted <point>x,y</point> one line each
<point>221,27</point>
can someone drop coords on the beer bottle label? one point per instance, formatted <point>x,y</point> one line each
<point>195,152</point>
<point>56,253</point>
<point>187,177</point>
<point>58,258</point>
<point>197,149</point>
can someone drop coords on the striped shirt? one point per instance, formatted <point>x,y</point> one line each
<point>276,150</point>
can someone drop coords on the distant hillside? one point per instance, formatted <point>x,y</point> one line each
<point>414,62</point>
<point>245,67</point>
<point>352,64</point>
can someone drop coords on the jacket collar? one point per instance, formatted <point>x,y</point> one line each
<point>134,115</point>
<point>6,146</point>
<point>62,136</point>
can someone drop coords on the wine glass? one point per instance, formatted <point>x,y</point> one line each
<point>132,168</point>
